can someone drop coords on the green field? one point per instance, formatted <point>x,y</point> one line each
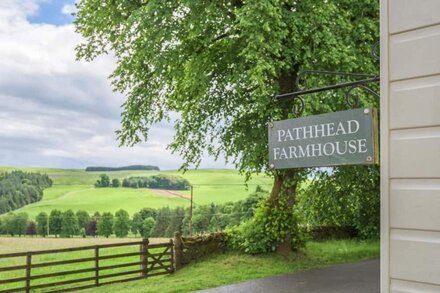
<point>73,189</point>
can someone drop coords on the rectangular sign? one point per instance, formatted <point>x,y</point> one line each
<point>331,139</point>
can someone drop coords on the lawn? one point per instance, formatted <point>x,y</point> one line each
<point>232,267</point>
<point>73,189</point>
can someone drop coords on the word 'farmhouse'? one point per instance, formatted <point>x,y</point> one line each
<point>340,147</point>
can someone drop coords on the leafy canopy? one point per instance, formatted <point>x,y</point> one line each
<point>218,64</point>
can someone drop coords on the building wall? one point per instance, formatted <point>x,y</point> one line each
<point>410,145</point>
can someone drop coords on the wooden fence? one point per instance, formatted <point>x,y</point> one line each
<point>151,260</point>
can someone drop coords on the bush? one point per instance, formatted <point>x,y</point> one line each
<point>266,230</point>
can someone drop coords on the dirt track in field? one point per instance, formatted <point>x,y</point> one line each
<point>169,193</point>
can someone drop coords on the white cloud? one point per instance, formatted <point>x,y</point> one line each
<point>69,9</point>
<point>59,112</point>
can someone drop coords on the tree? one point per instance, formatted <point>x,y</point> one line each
<point>121,224</point>
<point>136,223</point>
<point>116,182</point>
<point>105,225</point>
<point>97,215</point>
<point>55,222</point>
<point>7,224</point>
<point>148,212</point>
<point>92,227</point>
<point>3,229</point>
<point>162,222</point>
<point>18,224</point>
<point>219,64</point>
<point>345,199</point>
<point>69,224</point>
<point>31,229</point>
<point>83,218</point>
<point>147,227</point>
<point>42,221</point>
<point>103,181</point>
<point>20,188</point>
<point>176,222</point>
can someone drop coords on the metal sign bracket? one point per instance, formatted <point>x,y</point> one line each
<point>361,81</point>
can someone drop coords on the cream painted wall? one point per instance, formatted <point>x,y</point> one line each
<point>410,145</point>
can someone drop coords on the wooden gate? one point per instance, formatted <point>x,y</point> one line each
<point>31,270</point>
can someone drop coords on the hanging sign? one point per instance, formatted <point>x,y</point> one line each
<point>331,139</point>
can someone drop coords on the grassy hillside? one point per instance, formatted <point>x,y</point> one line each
<point>73,189</point>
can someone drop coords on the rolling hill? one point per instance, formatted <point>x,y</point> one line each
<point>73,189</point>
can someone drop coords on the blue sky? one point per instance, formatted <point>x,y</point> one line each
<point>51,12</point>
<point>57,111</point>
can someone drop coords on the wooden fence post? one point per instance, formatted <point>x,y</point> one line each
<point>96,265</point>
<point>144,257</point>
<point>172,267</point>
<point>28,271</point>
<point>178,251</point>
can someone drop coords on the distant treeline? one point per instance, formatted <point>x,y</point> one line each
<point>161,181</point>
<point>126,168</point>
<point>147,222</point>
<point>19,188</point>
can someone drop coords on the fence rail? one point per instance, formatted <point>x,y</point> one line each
<point>154,260</point>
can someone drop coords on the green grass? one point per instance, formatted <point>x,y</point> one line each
<point>102,199</point>
<point>214,271</point>
<point>15,244</point>
<point>73,189</point>
<point>231,267</point>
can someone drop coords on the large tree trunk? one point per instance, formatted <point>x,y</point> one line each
<point>285,181</point>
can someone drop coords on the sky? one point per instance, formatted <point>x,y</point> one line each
<point>59,112</point>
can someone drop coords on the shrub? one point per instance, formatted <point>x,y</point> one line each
<point>266,230</point>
